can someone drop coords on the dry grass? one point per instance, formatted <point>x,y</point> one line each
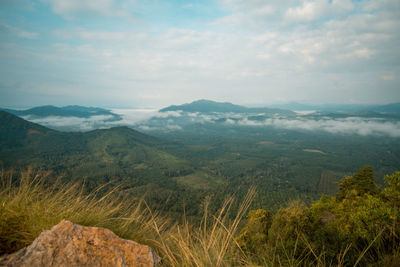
<point>28,206</point>
<point>210,244</point>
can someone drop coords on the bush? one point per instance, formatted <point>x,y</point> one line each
<point>360,225</point>
<point>253,237</point>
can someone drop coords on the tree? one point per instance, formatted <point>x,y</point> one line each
<point>361,183</point>
<point>392,190</point>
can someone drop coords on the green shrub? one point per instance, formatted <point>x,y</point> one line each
<point>360,219</point>
<point>360,225</point>
<point>253,237</point>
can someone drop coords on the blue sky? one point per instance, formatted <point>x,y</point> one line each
<point>115,53</point>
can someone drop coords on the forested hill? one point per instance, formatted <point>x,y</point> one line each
<point>96,153</point>
<point>9,122</point>
<point>208,106</point>
<point>14,131</point>
<point>142,163</point>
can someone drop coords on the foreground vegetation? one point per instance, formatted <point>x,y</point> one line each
<point>30,206</point>
<point>357,226</point>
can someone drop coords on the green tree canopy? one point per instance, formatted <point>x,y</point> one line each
<point>361,183</point>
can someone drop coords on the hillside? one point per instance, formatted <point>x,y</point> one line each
<point>389,108</point>
<point>118,150</point>
<point>15,131</point>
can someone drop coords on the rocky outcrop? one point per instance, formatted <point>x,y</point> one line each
<point>68,244</point>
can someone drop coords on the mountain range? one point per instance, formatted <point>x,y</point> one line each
<point>208,106</point>
<point>393,108</point>
<point>67,111</point>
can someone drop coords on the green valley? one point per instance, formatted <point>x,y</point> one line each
<point>177,170</point>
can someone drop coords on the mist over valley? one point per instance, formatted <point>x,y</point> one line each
<point>358,120</point>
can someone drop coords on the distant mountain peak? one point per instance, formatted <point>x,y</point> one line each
<point>209,106</point>
<point>207,101</point>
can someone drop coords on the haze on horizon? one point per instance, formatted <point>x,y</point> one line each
<point>133,53</point>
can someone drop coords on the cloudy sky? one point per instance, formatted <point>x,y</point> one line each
<point>148,53</point>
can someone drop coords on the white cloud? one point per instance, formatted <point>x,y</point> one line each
<point>180,65</point>
<point>316,9</point>
<point>73,123</point>
<point>356,125</point>
<point>168,114</point>
<point>386,5</point>
<point>188,6</point>
<point>339,51</point>
<point>308,11</point>
<point>388,77</point>
<point>174,127</point>
<point>76,8</point>
<point>254,13</point>
<point>23,4</point>
<point>170,121</point>
<point>18,31</point>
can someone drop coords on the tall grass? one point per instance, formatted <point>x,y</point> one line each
<point>212,243</point>
<point>29,206</point>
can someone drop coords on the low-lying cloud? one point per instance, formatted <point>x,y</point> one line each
<point>357,126</point>
<point>152,120</point>
<point>132,116</point>
<point>73,123</point>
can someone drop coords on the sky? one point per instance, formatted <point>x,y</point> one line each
<point>151,54</point>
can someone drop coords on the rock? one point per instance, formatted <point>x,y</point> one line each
<point>68,244</point>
